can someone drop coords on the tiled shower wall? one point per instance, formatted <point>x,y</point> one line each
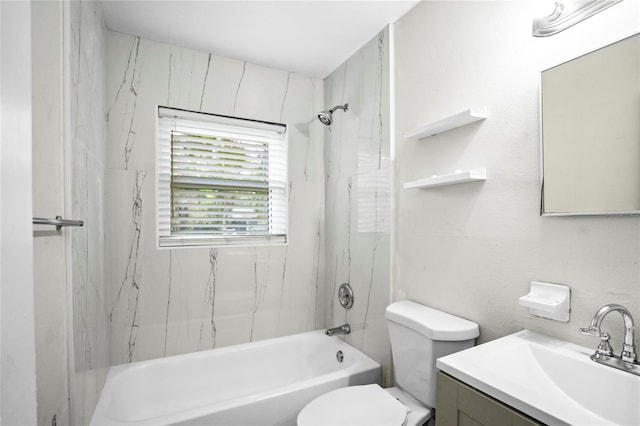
<point>142,302</point>
<point>86,133</point>
<point>170,301</point>
<point>357,163</point>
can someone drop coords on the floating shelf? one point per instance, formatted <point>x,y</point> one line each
<point>452,179</point>
<point>458,120</point>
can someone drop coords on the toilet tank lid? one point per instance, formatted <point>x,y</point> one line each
<point>434,324</point>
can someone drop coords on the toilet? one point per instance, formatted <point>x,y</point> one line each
<point>419,335</point>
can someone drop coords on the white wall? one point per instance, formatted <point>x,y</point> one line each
<point>472,249</point>
<point>17,329</point>
<point>171,301</point>
<point>357,164</point>
<point>50,276</point>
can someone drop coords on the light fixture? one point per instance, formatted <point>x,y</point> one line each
<point>567,13</point>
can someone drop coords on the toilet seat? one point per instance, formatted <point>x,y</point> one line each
<point>366,405</point>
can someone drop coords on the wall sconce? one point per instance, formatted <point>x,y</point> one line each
<point>567,13</point>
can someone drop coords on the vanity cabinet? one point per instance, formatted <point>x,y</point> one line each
<point>459,404</point>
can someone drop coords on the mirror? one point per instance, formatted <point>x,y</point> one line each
<point>590,112</point>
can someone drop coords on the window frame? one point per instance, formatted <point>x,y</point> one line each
<point>172,241</point>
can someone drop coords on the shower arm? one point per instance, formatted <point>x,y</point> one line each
<point>344,107</point>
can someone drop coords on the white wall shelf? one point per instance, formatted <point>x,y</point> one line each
<point>450,179</point>
<point>458,120</point>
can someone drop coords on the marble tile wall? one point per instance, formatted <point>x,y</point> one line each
<point>169,301</point>
<point>357,163</point>
<point>87,156</point>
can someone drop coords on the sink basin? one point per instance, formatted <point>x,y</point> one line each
<point>551,380</point>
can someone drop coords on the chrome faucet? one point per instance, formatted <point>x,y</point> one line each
<point>343,329</point>
<point>628,360</point>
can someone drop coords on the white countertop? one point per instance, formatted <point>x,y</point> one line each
<point>551,380</point>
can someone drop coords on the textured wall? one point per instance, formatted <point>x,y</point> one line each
<point>472,249</point>
<point>171,301</point>
<point>87,157</point>
<point>357,159</point>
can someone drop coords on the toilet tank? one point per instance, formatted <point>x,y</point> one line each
<point>419,336</point>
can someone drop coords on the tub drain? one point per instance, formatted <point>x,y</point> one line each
<point>339,356</point>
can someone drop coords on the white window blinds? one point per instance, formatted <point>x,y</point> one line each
<point>220,180</point>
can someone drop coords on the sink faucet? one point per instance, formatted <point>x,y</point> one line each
<point>628,360</point>
<point>343,329</point>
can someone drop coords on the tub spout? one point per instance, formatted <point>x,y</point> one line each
<point>343,329</point>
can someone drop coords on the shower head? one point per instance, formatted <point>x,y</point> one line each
<point>326,117</point>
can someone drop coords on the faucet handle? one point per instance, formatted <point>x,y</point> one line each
<point>591,331</point>
<point>604,348</point>
<point>629,353</point>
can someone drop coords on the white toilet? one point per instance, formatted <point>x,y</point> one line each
<point>419,335</point>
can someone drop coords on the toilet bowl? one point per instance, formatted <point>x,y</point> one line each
<point>419,335</point>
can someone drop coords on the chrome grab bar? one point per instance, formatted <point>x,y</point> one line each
<point>58,222</point>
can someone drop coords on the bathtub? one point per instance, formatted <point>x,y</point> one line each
<point>259,383</point>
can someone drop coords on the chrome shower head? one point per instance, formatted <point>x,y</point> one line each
<point>326,117</point>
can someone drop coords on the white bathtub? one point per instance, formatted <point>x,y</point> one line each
<point>260,383</point>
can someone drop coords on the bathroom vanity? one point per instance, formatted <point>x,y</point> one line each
<point>460,404</point>
<point>527,378</point>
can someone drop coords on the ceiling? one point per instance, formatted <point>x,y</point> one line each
<point>308,37</point>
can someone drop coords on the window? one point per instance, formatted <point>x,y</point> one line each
<point>220,180</point>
